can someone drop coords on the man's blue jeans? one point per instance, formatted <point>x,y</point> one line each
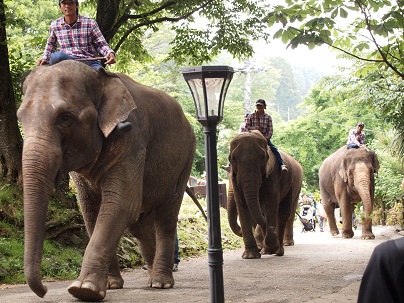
<point>60,56</point>
<point>352,145</point>
<point>276,153</point>
<point>176,249</point>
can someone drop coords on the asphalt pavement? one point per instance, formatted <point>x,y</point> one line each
<point>319,268</point>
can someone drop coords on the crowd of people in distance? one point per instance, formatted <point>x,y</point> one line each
<point>313,211</point>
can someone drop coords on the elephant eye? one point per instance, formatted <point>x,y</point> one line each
<point>65,120</point>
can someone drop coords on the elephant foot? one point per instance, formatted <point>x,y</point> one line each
<point>280,252</point>
<point>114,282</point>
<point>251,254</point>
<point>334,232</point>
<point>368,236</point>
<point>288,242</point>
<point>86,291</point>
<point>161,282</point>
<point>347,234</point>
<point>273,251</point>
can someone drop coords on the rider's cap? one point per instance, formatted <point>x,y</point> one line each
<point>75,1</point>
<point>360,124</point>
<point>260,102</point>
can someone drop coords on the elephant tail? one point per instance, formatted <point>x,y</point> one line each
<point>195,199</point>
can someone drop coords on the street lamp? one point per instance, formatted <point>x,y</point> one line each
<point>208,85</point>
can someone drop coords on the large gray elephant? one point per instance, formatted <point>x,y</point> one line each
<point>347,177</point>
<point>134,180</point>
<point>261,195</point>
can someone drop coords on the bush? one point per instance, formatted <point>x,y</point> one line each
<point>395,215</point>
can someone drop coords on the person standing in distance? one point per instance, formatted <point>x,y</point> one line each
<point>260,120</point>
<point>78,37</point>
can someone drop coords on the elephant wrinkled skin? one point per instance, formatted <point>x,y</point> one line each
<point>346,178</point>
<point>262,195</point>
<point>133,180</point>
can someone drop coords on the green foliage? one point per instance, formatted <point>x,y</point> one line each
<point>27,30</point>
<point>395,215</point>
<point>388,180</point>
<point>60,262</point>
<point>348,26</point>
<point>287,93</point>
<point>193,230</point>
<point>11,207</point>
<point>11,260</point>
<point>332,108</point>
<point>369,32</point>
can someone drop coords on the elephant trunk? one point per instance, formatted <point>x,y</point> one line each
<point>365,188</point>
<point>251,194</point>
<point>232,212</point>
<point>364,185</point>
<point>39,173</point>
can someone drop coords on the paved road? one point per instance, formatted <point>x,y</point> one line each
<point>319,268</point>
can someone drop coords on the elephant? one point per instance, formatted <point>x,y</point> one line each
<point>131,181</point>
<point>346,177</point>
<point>261,195</point>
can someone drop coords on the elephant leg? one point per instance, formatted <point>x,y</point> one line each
<point>283,217</point>
<point>272,244</point>
<point>92,283</point>
<point>144,231</point>
<point>288,236</point>
<point>329,207</point>
<point>251,250</point>
<point>259,236</point>
<point>114,279</point>
<point>346,209</point>
<point>367,233</point>
<point>166,224</point>
<point>105,223</point>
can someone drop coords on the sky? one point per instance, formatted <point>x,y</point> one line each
<point>322,57</point>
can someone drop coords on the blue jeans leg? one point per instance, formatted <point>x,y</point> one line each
<point>176,249</point>
<point>353,145</point>
<point>94,64</point>
<point>276,152</point>
<point>56,57</point>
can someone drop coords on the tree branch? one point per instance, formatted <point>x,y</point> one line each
<point>126,17</point>
<point>373,39</point>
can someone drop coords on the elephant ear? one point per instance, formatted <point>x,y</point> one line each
<point>116,103</point>
<point>343,170</point>
<point>269,165</point>
<point>376,164</point>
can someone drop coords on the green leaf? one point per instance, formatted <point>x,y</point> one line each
<point>343,13</point>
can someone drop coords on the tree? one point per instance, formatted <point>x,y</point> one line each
<point>287,94</point>
<point>202,28</point>
<point>11,141</point>
<point>369,32</point>
<point>124,24</point>
<point>330,110</point>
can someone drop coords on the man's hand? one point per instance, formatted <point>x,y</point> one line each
<point>110,59</point>
<point>42,62</point>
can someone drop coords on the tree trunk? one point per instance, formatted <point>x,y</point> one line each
<point>11,140</point>
<point>107,14</point>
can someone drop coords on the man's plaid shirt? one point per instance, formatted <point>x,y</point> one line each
<point>82,40</point>
<point>265,121</point>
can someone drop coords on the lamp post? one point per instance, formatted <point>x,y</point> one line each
<point>208,85</point>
